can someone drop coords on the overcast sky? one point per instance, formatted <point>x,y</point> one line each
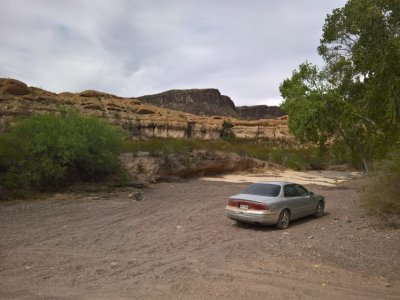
<point>244,48</point>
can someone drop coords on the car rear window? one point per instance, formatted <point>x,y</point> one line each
<point>262,189</point>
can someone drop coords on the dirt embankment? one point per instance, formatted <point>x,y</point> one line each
<point>177,244</point>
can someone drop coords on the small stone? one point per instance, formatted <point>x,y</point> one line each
<point>387,284</point>
<point>178,227</point>
<point>310,237</point>
<point>285,233</point>
<point>138,196</point>
<point>142,153</point>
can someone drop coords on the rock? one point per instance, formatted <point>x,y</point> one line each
<point>142,153</point>
<point>310,237</point>
<point>145,111</point>
<point>139,121</point>
<point>66,94</point>
<point>95,94</point>
<point>14,87</point>
<point>257,112</point>
<point>138,196</point>
<point>208,102</point>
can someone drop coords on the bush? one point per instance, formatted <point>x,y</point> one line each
<point>381,196</point>
<point>226,131</point>
<point>48,151</point>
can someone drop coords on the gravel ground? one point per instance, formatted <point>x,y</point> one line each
<point>177,244</point>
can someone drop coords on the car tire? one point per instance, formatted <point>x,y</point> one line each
<point>319,211</point>
<point>283,220</point>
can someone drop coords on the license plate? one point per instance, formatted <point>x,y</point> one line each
<point>243,206</point>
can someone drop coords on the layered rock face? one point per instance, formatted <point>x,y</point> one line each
<point>257,112</point>
<point>136,117</point>
<point>202,102</point>
<point>210,102</point>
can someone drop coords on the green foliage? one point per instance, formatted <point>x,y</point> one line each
<point>226,131</point>
<point>274,151</point>
<point>381,196</point>
<point>354,99</point>
<point>48,151</point>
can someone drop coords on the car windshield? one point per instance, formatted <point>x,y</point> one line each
<point>262,189</point>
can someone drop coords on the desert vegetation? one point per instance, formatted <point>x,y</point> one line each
<point>46,152</point>
<point>352,103</point>
<point>381,195</point>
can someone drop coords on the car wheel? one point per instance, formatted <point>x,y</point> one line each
<point>319,212</point>
<point>283,221</point>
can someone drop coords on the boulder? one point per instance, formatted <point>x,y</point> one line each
<point>95,94</point>
<point>145,111</point>
<point>14,87</point>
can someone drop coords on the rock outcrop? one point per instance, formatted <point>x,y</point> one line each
<point>13,86</point>
<point>136,117</point>
<point>150,168</point>
<point>202,102</point>
<point>257,112</point>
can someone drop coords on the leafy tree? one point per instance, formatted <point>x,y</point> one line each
<point>49,151</point>
<point>354,100</point>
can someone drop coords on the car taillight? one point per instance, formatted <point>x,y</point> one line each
<point>233,203</point>
<point>248,204</point>
<point>258,206</point>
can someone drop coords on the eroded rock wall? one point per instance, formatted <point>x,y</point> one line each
<point>136,117</point>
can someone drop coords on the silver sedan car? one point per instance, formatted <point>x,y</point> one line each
<point>274,203</point>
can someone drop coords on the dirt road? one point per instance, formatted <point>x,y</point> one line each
<point>177,244</point>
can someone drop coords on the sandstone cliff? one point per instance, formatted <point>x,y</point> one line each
<point>257,112</point>
<point>136,117</point>
<point>203,102</point>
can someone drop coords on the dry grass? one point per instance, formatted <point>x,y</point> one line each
<point>381,196</point>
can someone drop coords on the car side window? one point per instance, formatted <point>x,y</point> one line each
<point>290,191</point>
<point>301,190</point>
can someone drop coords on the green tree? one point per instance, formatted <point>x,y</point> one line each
<point>354,100</point>
<point>49,151</point>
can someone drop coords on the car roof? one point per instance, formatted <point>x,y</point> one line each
<point>276,182</point>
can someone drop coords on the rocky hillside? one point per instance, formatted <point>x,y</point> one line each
<point>138,118</point>
<point>210,102</point>
<point>202,102</point>
<point>257,112</point>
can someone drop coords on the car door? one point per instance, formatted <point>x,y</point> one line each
<point>307,200</point>
<point>294,201</point>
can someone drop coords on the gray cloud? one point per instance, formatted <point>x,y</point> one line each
<point>132,48</point>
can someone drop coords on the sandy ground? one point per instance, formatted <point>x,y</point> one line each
<point>326,178</point>
<point>177,244</point>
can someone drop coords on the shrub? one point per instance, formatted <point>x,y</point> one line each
<point>381,195</point>
<point>226,131</point>
<point>48,151</point>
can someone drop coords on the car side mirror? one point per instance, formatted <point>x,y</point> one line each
<point>311,194</point>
